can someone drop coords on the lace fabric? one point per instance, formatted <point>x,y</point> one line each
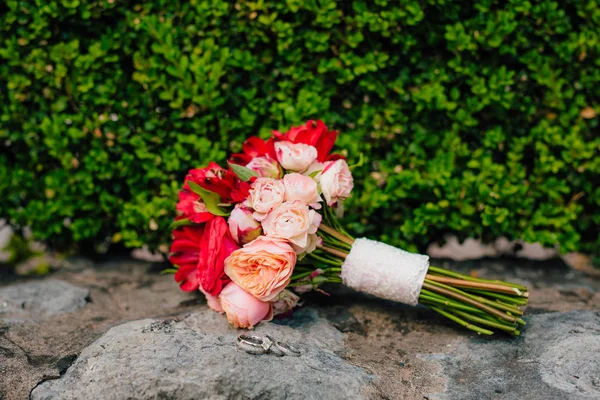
<point>385,271</point>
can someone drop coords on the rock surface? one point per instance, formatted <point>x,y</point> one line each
<point>557,357</point>
<point>140,337</point>
<point>197,358</point>
<point>49,297</point>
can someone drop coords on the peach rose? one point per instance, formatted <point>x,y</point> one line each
<point>295,222</point>
<point>336,181</point>
<point>265,194</point>
<point>295,156</point>
<point>242,309</point>
<point>263,267</point>
<point>301,188</point>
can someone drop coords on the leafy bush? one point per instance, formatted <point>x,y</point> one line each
<point>475,118</point>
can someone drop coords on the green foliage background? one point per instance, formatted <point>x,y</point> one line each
<point>476,118</point>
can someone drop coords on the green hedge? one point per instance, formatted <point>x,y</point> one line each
<point>476,118</point>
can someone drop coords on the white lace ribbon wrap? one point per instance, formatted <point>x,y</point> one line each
<point>385,271</point>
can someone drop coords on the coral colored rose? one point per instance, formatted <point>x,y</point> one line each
<point>293,221</point>
<point>263,267</point>
<point>314,133</point>
<point>242,225</point>
<point>284,302</point>
<point>301,188</point>
<point>254,147</point>
<point>265,167</point>
<point>242,309</point>
<point>265,194</point>
<point>200,252</point>
<point>336,181</point>
<point>295,156</point>
<point>192,207</point>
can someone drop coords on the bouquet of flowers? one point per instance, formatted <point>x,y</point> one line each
<point>254,236</point>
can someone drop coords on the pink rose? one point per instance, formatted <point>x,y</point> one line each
<point>266,167</point>
<point>336,181</point>
<point>284,302</point>
<point>212,301</point>
<point>263,267</point>
<point>295,156</point>
<point>265,194</point>
<point>295,222</point>
<point>242,226</point>
<point>301,188</point>
<point>243,310</point>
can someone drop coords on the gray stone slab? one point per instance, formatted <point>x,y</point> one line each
<point>557,357</point>
<point>197,359</point>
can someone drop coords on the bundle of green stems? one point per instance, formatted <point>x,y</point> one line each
<point>481,305</point>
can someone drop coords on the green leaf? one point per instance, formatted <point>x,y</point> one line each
<point>315,173</point>
<point>180,222</point>
<point>211,200</point>
<point>242,172</point>
<point>169,270</point>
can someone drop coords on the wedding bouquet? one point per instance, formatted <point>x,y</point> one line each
<point>254,236</point>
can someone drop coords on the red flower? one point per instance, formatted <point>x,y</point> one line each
<point>192,207</point>
<point>185,252</point>
<point>240,190</point>
<point>315,134</point>
<point>221,181</point>
<point>254,147</point>
<point>217,244</point>
<point>200,252</point>
<point>211,178</point>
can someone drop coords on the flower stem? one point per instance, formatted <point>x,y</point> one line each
<point>453,274</point>
<point>326,260</point>
<point>462,322</point>
<point>475,285</point>
<point>464,299</point>
<point>478,298</point>
<point>425,299</point>
<point>335,252</point>
<point>487,322</point>
<point>336,234</point>
<point>518,301</point>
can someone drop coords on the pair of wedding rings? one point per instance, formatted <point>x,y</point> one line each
<point>266,345</point>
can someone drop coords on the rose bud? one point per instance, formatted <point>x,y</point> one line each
<point>284,302</point>
<point>242,309</point>
<point>295,156</point>
<point>266,167</point>
<point>336,181</point>
<point>242,226</point>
